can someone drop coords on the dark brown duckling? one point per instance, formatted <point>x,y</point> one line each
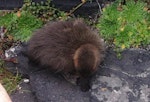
<point>68,47</point>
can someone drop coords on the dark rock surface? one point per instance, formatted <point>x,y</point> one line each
<point>51,88</point>
<point>117,80</point>
<point>23,94</point>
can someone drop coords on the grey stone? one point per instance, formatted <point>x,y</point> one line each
<point>117,80</point>
<point>54,88</point>
<point>125,79</point>
<point>23,94</point>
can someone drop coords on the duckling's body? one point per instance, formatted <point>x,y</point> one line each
<point>67,47</point>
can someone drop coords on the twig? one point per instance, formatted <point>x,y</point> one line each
<point>99,6</point>
<point>75,8</point>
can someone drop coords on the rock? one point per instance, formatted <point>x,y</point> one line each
<point>117,80</point>
<point>53,88</point>
<point>23,94</point>
<point>125,79</point>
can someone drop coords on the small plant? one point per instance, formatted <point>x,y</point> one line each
<point>31,16</point>
<point>44,10</point>
<point>24,26</point>
<point>126,25</point>
<point>20,24</point>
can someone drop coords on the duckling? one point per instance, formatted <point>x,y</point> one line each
<point>69,47</point>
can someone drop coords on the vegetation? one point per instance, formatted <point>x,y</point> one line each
<point>20,24</point>
<point>8,80</point>
<point>126,25</point>
<point>44,10</point>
